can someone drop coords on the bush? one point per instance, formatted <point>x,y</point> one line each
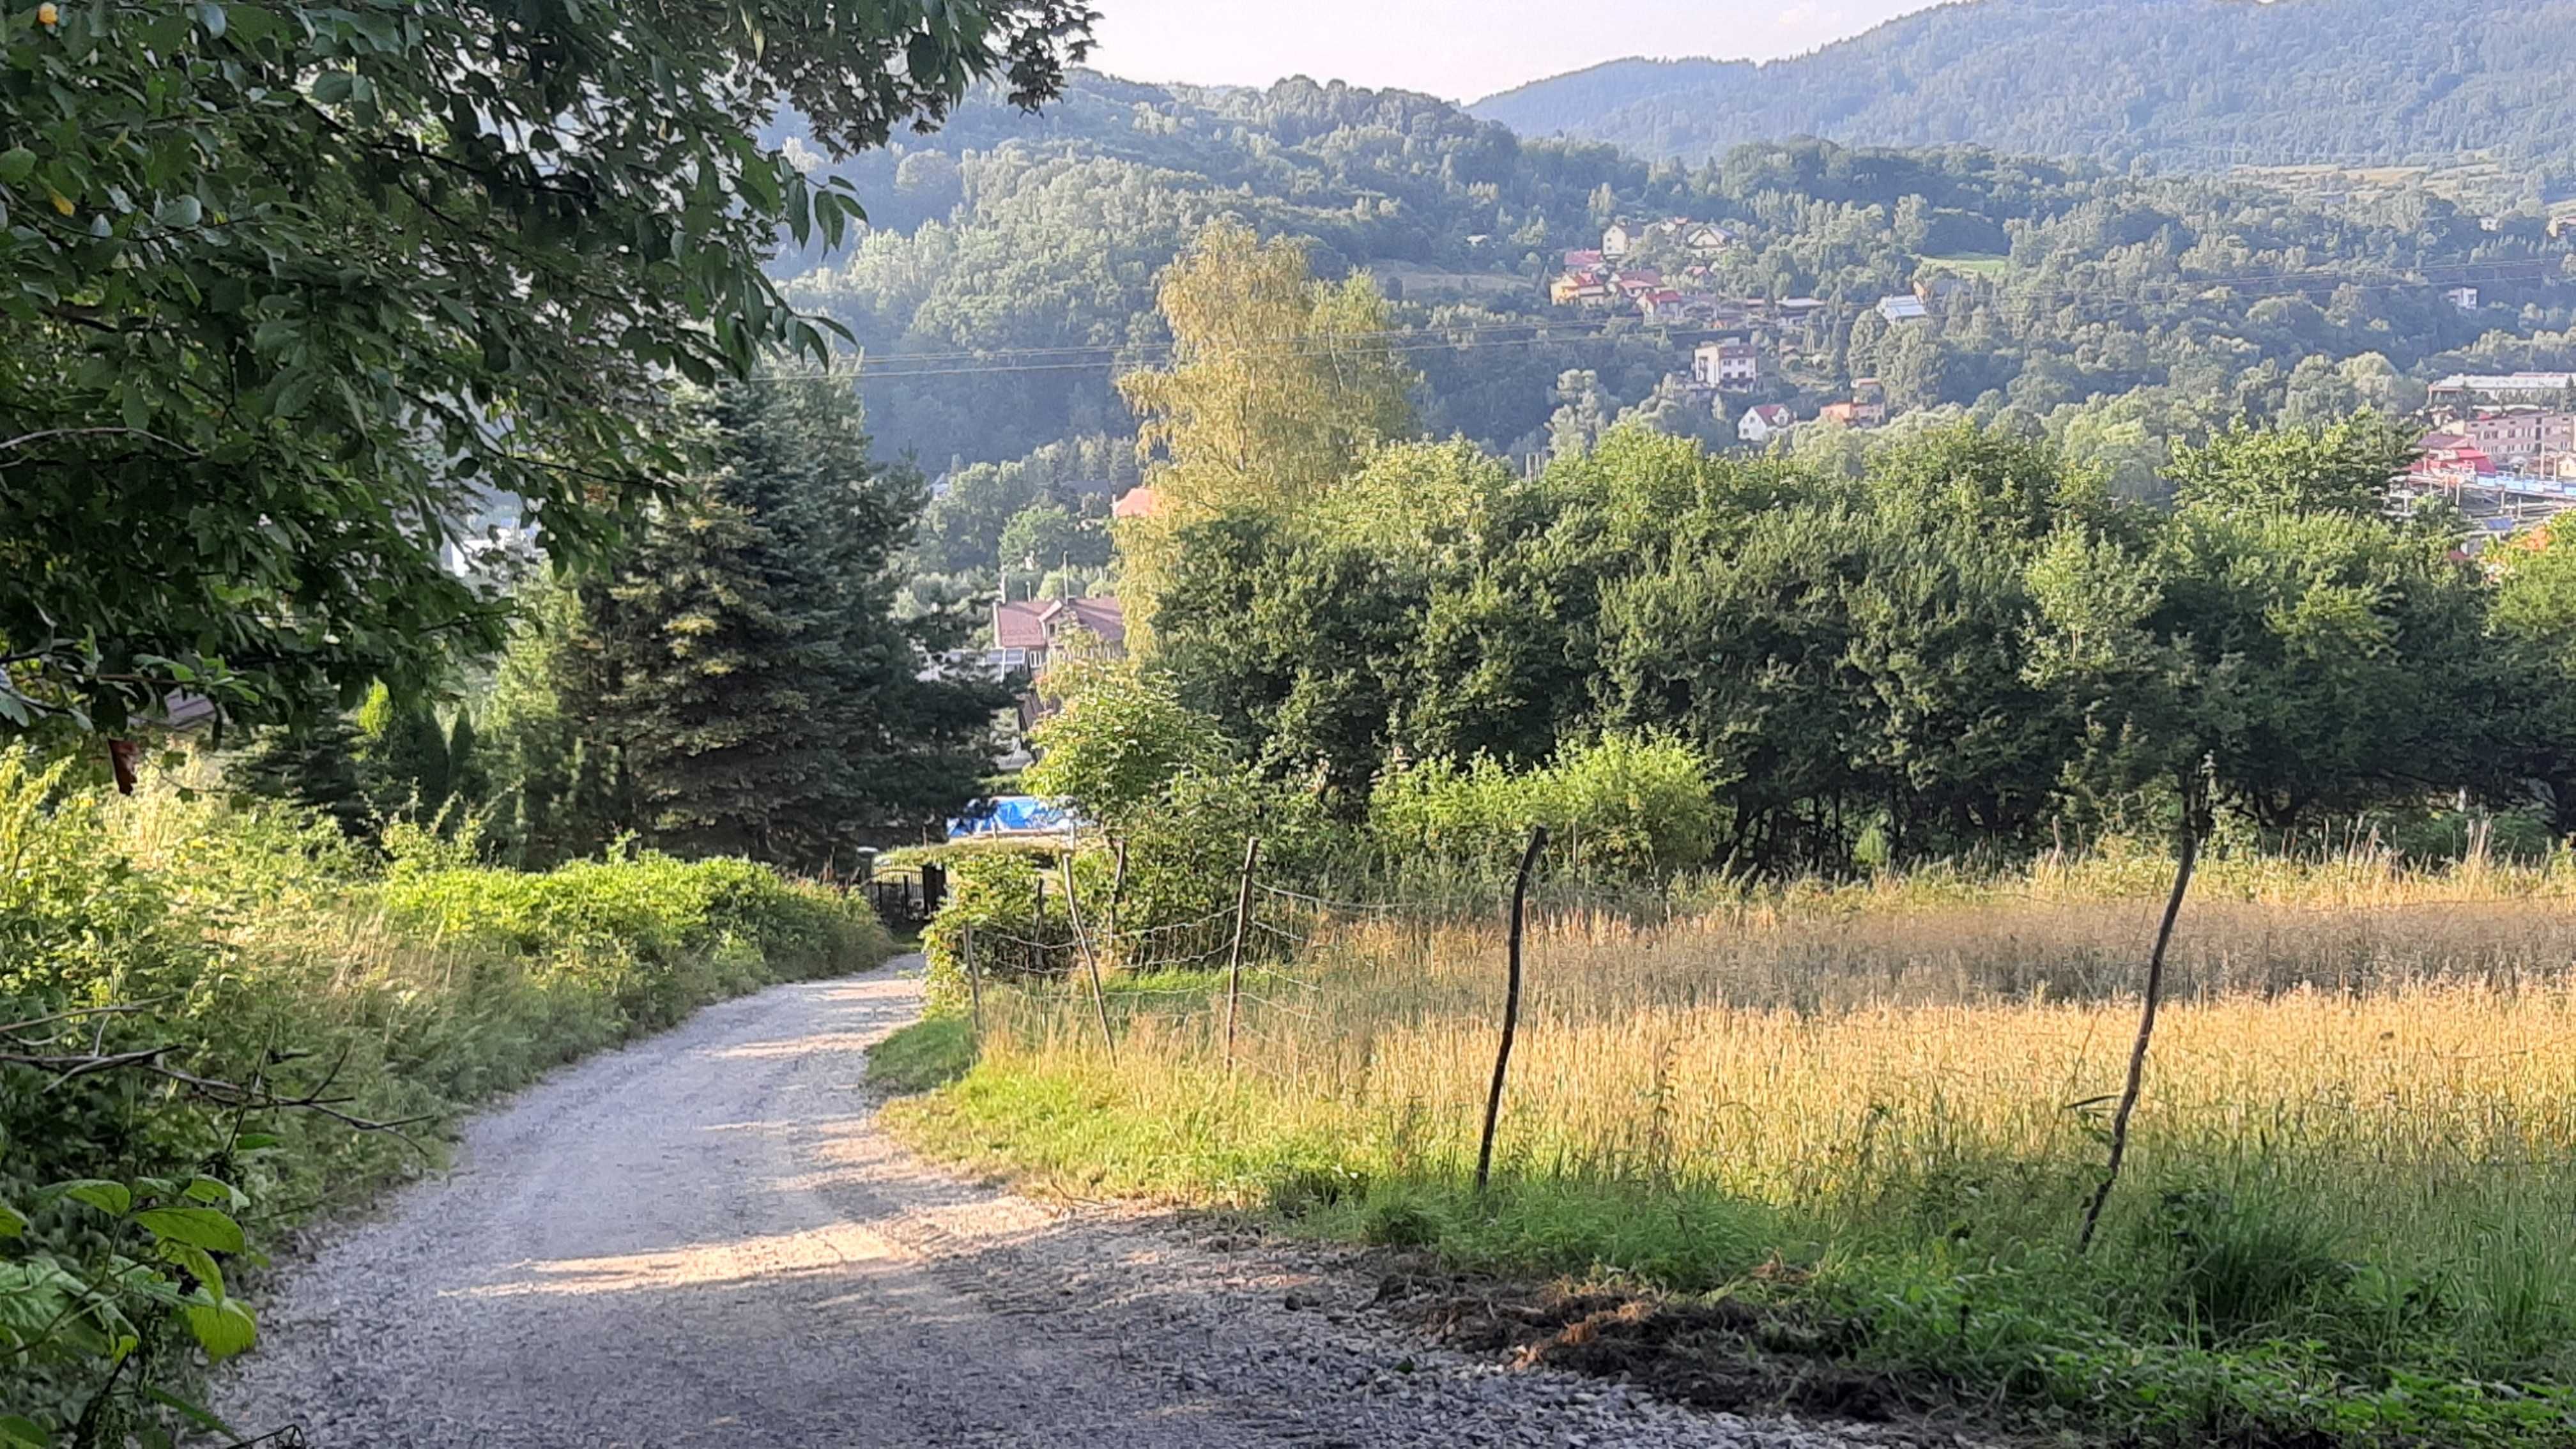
<point>996,893</point>
<point>261,946</point>
<point>1623,805</point>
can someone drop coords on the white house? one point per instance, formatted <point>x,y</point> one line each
<point>1762,424</point>
<point>1903,308</point>
<point>2464,298</point>
<point>1616,239</point>
<point>1729,364</point>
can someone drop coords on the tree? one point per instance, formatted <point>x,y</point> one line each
<point>1046,536</point>
<point>1279,386</point>
<point>314,766</point>
<point>1584,412</point>
<point>743,668</point>
<point>1121,738</point>
<point>299,286</point>
<point>402,754</point>
<point>557,795</point>
<point>2342,467</point>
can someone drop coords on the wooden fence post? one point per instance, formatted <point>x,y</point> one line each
<point>1099,1000</point>
<point>2151,998</point>
<point>1234,958</point>
<point>1117,895</point>
<point>974,977</point>
<point>1511,1007</point>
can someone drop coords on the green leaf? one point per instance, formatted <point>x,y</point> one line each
<point>333,86</point>
<point>112,1198</point>
<point>12,1222</point>
<point>18,1433</point>
<point>197,1414</point>
<point>16,165</point>
<point>209,1191</point>
<point>199,1263</point>
<point>222,1329</point>
<point>204,1227</point>
<point>255,1142</point>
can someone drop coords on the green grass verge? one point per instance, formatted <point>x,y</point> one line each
<point>932,1052</point>
<point>2141,1341</point>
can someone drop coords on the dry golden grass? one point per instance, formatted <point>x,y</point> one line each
<point>2395,1051</point>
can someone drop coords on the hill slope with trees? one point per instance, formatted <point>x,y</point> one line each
<point>2185,84</point>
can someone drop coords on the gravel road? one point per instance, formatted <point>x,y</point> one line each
<point>705,1239</point>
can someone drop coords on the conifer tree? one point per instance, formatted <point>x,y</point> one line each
<point>314,765</point>
<point>744,664</point>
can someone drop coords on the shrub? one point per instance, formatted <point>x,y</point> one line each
<point>1623,805</point>
<point>258,944</point>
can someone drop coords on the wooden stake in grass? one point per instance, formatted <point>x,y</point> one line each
<point>1234,957</point>
<point>1117,894</point>
<point>974,977</point>
<point>2154,994</point>
<point>1511,1007</point>
<point>1091,963</point>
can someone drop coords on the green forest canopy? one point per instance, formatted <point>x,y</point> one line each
<point>1013,259</point>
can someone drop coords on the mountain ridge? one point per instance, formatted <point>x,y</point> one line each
<point>2179,84</point>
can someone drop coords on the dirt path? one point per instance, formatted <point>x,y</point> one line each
<point>704,1239</point>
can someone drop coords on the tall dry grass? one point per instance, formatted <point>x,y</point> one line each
<point>2361,1105</point>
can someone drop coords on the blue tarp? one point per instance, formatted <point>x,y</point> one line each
<point>1012,815</point>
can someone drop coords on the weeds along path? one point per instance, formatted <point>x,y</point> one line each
<point>704,1239</point>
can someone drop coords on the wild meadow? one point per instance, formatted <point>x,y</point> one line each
<point>1880,1108</point>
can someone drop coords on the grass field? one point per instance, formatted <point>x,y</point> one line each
<point>2350,1197</point>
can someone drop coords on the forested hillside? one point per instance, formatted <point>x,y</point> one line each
<point>1009,271</point>
<point>2186,84</point>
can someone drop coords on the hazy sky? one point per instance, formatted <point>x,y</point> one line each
<point>1462,49</point>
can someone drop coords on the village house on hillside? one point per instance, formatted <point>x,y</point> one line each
<point>1701,238</point>
<point>1029,632</point>
<point>1903,308</point>
<point>1761,424</point>
<point>1854,414</point>
<point>1728,364</point>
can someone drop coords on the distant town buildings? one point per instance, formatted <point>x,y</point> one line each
<point>2516,434</point>
<point>2503,466</point>
<point>2463,388</point>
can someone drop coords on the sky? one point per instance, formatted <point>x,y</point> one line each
<point>1461,49</point>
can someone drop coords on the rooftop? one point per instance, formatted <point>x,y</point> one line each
<point>1034,623</point>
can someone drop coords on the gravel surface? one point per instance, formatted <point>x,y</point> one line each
<point>705,1239</point>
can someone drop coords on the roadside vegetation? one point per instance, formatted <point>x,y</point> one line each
<point>1870,1116</point>
<point>220,1019</point>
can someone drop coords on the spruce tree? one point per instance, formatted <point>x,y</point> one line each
<point>745,664</point>
<point>469,783</point>
<point>402,755</point>
<point>313,764</point>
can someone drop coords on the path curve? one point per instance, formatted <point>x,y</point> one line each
<point>705,1239</point>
